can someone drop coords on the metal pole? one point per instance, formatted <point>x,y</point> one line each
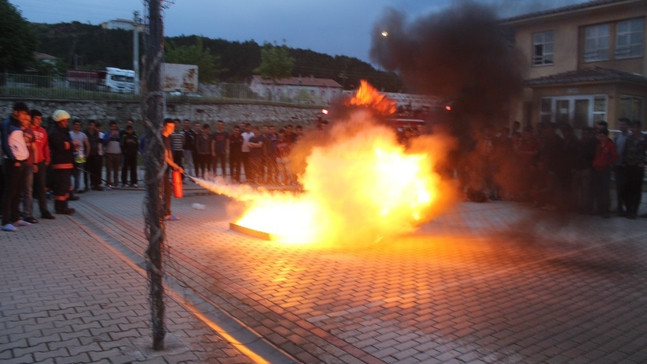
<point>136,24</point>
<point>152,114</point>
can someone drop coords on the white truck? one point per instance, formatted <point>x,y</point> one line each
<point>112,79</point>
<point>178,78</point>
<point>119,80</point>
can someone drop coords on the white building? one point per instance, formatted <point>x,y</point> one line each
<point>306,90</point>
<point>124,24</point>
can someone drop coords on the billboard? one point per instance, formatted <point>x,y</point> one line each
<point>180,77</point>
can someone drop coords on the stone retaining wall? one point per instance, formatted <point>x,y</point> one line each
<point>230,113</point>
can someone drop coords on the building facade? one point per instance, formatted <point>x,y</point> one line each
<point>584,63</point>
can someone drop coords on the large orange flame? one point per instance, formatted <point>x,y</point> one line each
<point>361,187</point>
<point>370,97</point>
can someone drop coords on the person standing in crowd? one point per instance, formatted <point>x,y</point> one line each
<point>260,153</point>
<point>143,144</point>
<point>41,163</point>
<point>81,145</point>
<point>235,151</point>
<point>129,122</point>
<point>177,144</point>
<point>189,146</point>
<point>516,128</point>
<point>247,135</point>
<point>283,164</point>
<point>167,131</point>
<point>15,159</point>
<point>129,148</point>
<point>601,125</point>
<point>619,170</point>
<point>551,166</point>
<point>256,166</point>
<point>527,165</point>
<point>569,167</point>
<point>94,158</point>
<point>203,151</point>
<point>582,195</point>
<point>220,139</point>
<point>298,133</point>
<point>605,157</point>
<point>289,134</point>
<point>112,143</point>
<point>635,152</point>
<point>269,155</point>
<point>27,195</point>
<point>62,149</point>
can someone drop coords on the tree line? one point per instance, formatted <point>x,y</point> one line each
<point>84,46</point>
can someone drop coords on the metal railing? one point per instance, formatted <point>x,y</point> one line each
<point>54,87</point>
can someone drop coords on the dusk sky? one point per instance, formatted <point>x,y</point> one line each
<point>334,27</point>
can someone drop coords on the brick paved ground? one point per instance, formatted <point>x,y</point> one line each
<point>486,283</point>
<point>65,297</point>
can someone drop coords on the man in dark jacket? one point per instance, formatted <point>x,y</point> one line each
<point>94,156</point>
<point>60,144</point>
<point>129,147</point>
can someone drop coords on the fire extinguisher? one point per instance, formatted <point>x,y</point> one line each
<point>177,184</point>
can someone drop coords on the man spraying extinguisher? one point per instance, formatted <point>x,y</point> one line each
<point>167,130</point>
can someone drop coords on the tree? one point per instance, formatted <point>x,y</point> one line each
<point>208,65</point>
<point>276,62</point>
<point>17,40</point>
<point>152,113</point>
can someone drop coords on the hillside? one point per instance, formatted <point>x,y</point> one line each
<point>86,46</point>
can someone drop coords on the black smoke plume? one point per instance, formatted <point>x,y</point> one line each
<point>461,56</point>
<point>464,58</point>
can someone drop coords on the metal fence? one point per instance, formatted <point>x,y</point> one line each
<point>54,87</point>
<point>57,87</point>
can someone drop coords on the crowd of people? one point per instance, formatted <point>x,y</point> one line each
<point>67,160</point>
<point>260,155</point>
<point>29,151</point>
<point>58,163</point>
<point>554,167</point>
<point>558,167</point>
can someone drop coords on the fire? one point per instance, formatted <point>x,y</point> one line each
<point>368,96</point>
<point>358,188</point>
<point>357,191</point>
<point>361,188</point>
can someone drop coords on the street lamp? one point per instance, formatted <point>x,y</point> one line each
<point>136,25</point>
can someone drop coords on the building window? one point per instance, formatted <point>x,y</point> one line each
<point>542,48</point>
<point>599,108</point>
<point>546,112</point>
<point>579,110</point>
<point>629,39</point>
<point>596,43</point>
<point>631,107</point>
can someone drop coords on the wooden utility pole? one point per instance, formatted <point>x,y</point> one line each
<point>152,115</point>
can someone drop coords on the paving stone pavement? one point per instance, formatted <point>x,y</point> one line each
<point>66,297</point>
<point>485,283</point>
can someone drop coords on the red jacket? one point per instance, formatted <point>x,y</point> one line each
<point>605,155</point>
<point>42,145</point>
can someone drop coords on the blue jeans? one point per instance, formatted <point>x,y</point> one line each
<point>77,175</point>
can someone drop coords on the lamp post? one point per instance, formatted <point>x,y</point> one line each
<point>136,25</point>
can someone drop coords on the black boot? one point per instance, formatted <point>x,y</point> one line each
<point>47,215</point>
<point>61,208</point>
